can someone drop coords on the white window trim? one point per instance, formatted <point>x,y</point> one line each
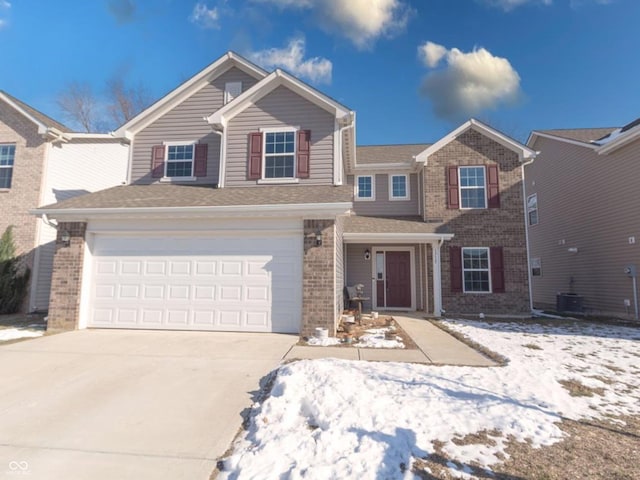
<point>356,191</point>
<point>529,210</point>
<point>464,289</point>
<point>6,189</point>
<point>167,179</point>
<point>264,132</point>
<point>406,182</point>
<point>228,93</point>
<point>460,187</point>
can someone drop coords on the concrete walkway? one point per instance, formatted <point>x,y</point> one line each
<point>435,346</point>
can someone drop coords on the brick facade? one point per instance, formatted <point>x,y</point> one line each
<point>66,282</point>
<point>24,193</point>
<point>318,278</point>
<point>491,227</point>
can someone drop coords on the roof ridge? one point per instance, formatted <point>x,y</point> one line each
<point>40,116</point>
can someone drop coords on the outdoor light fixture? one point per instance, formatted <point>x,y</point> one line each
<point>367,254</point>
<point>318,238</point>
<point>65,237</point>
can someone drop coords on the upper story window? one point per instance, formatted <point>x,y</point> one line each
<point>398,187</point>
<point>475,270</point>
<point>7,156</point>
<point>472,187</point>
<point>279,154</point>
<point>365,187</point>
<point>231,91</point>
<point>532,209</point>
<point>179,161</point>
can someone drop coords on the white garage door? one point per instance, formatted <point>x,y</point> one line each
<point>250,283</point>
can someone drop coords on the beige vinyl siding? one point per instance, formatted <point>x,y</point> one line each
<point>382,206</point>
<point>339,267</point>
<point>281,108</point>
<point>186,123</point>
<point>359,270</point>
<point>589,202</point>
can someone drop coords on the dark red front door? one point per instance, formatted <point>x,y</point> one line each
<point>398,270</point>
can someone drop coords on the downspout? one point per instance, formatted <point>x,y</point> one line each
<point>526,231</point>
<point>339,177</point>
<point>437,282</point>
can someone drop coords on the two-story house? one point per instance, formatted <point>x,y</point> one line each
<point>579,245</point>
<point>41,162</point>
<point>249,208</point>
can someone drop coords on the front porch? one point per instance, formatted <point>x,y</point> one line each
<point>397,260</point>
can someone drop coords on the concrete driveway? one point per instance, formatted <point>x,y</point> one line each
<point>106,404</point>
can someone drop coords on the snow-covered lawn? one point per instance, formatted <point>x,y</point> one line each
<point>7,334</point>
<point>350,419</point>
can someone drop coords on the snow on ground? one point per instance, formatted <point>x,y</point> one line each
<point>323,342</point>
<point>375,338</point>
<point>15,333</point>
<point>351,419</point>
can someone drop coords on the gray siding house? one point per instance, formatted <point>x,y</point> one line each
<point>248,207</point>
<point>583,221</point>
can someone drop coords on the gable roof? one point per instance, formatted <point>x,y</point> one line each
<point>44,122</point>
<point>523,151</point>
<point>275,79</point>
<point>188,88</point>
<point>585,135</point>
<point>618,137</point>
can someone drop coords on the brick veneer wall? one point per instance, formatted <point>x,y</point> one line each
<point>66,281</point>
<point>24,193</point>
<point>490,227</point>
<point>318,278</point>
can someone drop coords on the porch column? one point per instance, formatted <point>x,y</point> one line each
<point>437,280</point>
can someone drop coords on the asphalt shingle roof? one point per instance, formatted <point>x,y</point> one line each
<point>159,196</point>
<point>372,154</point>
<point>39,116</point>
<point>412,224</point>
<point>586,135</point>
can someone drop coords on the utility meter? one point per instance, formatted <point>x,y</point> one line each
<point>631,271</point>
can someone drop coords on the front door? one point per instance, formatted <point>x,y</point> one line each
<point>393,279</point>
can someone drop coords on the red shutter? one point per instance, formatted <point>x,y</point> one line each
<point>493,189</point>
<point>254,164</point>
<point>452,184</point>
<point>455,269</point>
<point>303,153</point>
<point>157,161</point>
<point>497,270</point>
<point>200,160</point>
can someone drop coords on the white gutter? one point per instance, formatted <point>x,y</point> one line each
<point>304,209</point>
<point>437,278</point>
<point>351,237</point>
<point>526,231</point>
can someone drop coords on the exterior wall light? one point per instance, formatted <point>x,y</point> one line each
<point>367,254</point>
<point>318,238</point>
<point>65,237</point>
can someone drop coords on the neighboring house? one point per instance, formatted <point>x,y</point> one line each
<point>583,221</point>
<point>42,161</point>
<point>249,208</point>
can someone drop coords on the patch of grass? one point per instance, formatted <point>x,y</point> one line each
<point>577,389</point>
<point>532,346</point>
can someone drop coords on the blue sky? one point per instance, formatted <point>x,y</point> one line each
<point>412,70</point>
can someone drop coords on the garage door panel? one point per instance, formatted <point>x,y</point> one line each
<point>207,283</point>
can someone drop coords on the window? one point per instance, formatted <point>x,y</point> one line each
<point>279,154</point>
<point>398,187</point>
<point>532,209</point>
<point>7,155</point>
<point>365,188</point>
<point>179,161</point>
<point>472,188</point>
<point>475,269</point>
<point>536,267</point>
<point>231,91</point>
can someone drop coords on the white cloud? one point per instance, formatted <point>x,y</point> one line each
<point>431,53</point>
<point>3,23</point>
<point>204,16</point>
<point>469,83</point>
<point>291,58</point>
<point>361,21</point>
<point>5,4</point>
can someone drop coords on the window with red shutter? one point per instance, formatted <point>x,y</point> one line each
<point>254,162</point>
<point>200,160</point>
<point>157,161</point>
<point>497,270</point>
<point>452,188</point>
<point>455,267</point>
<point>493,187</point>
<point>303,153</point>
